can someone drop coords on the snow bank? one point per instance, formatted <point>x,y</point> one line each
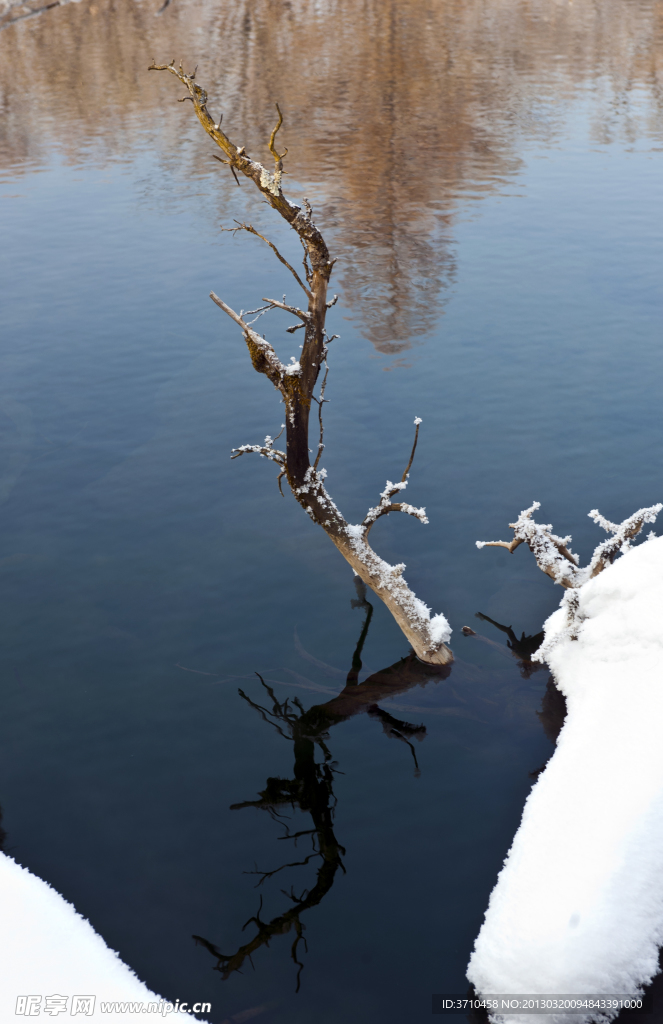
<point>578,905</point>
<point>49,950</point>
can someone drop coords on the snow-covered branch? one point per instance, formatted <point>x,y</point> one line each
<point>551,552</point>
<point>266,450</point>
<point>386,505</point>
<point>554,557</point>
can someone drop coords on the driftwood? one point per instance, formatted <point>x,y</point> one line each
<point>297,381</point>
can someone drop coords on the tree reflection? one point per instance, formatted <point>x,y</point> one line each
<point>399,110</point>
<point>552,713</point>
<point>311,789</point>
<point>522,649</point>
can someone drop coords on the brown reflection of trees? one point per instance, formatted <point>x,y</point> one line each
<point>396,109</point>
<point>311,788</point>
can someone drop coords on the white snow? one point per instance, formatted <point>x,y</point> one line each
<point>578,905</point>
<point>440,630</point>
<point>49,950</point>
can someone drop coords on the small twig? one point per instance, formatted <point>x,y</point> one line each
<point>221,161</point>
<point>321,400</point>
<point>417,423</point>
<point>295,310</point>
<point>277,157</point>
<point>510,546</point>
<point>386,505</point>
<point>252,231</point>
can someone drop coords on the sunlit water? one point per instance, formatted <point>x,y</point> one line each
<point>489,176</point>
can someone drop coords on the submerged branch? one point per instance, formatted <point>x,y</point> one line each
<point>296,383</point>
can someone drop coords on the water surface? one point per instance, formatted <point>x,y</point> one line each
<point>489,177</point>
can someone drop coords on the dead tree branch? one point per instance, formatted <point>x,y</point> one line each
<point>252,231</point>
<point>554,557</point>
<point>296,383</point>
<point>386,505</point>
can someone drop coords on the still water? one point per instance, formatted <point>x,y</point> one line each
<point>488,175</point>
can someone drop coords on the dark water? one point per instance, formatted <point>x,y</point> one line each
<point>489,176</point>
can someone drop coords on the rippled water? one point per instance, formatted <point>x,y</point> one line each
<point>489,176</point>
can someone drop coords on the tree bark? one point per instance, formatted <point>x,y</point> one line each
<point>296,384</point>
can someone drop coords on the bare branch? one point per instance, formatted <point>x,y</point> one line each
<point>273,136</point>
<point>220,159</point>
<point>417,424</point>
<point>262,354</point>
<point>268,184</point>
<point>252,231</point>
<point>295,310</point>
<point>509,545</point>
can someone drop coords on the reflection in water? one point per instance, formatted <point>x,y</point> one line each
<point>311,788</point>
<point>522,649</point>
<point>552,713</point>
<point>399,113</point>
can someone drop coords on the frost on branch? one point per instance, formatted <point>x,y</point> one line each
<point>554,556</point>
<point>386,505</point>
<point>297,381</point>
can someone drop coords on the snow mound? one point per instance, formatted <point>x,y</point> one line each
<point>578,905</point>
<point>49,950</point>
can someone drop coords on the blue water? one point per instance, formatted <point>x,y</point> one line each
<point>144,577</point>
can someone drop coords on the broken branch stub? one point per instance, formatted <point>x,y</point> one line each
<point>296,383</point>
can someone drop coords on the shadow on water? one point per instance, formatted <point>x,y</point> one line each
<point>311,789</point>
<point>552,714</point>
<point>522,649</point>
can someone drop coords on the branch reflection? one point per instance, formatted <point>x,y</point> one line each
<point>522,649</point>
<point>311,788</point>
